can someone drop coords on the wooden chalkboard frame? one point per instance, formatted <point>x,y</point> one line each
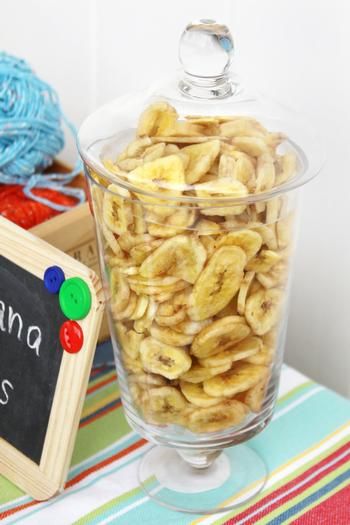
<point>45,480</point>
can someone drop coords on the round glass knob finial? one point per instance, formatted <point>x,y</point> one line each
<point>206,49</point>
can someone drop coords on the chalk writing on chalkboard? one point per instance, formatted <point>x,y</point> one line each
<point>30,357</point>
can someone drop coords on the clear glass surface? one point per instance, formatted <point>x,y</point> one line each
<point>195,207</point>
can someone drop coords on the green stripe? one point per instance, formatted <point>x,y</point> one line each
<point>284,481</point>
<point>303,495</point>
<point>99,434</point>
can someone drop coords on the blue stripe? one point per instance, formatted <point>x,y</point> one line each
<point>311,499</point>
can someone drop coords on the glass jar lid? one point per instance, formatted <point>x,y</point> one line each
<point>200,135</point>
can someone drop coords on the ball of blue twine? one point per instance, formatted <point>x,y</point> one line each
<point>30,132</point>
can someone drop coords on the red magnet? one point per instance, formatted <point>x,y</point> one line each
<point>71,337</point>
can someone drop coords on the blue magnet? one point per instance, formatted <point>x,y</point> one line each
<point>53,279</point>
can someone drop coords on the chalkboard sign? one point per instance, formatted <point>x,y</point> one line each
<point>30,356</point>
<point>42,382</point>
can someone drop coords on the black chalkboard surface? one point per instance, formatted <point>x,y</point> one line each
<point>30,357</point>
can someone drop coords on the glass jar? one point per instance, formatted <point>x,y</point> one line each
<point>194,187</point>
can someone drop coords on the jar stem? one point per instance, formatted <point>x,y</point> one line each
<point>199,459</point>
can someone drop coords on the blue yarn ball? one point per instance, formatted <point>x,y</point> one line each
<point>30,132</point>
<point>30,120</point>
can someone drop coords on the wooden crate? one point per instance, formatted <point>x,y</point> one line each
<point>73,232</point>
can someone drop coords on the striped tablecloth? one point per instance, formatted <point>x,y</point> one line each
<point>306,447</point>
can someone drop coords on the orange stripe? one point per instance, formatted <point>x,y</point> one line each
<point>103,383</point>
<point>80,476</point>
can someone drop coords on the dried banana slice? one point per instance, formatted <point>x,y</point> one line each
<point>164,404</point>
<point>254,146</point>
<point>243,127</point>
<point>288,163</point>
<point>164,176</point>
<point>140,252</point>
<point>126,313</point>
<point>147,380</point>
<point>181,256</point>
<point>268,235</point>
<point>161,289</point>
<point>284,231</point>
<point>218,283</point>
<point>219,336</point>
<point>275,277</point>
<point>143,324</point>
<point>154,152</point>
<point>195,394</point>
<point>111,241</point>
<point>247,348</point>
<point>202,157</point>
<point>212,419</point>
<point>264,261</point>
<point>262,310</point>
<point>166,335</point>
<point>243,291</point>
<point>171,320</point>
<point>135,148</point>
<point>227,167</point>
<point>198,373</point>
<point>224,187</point>
<point>175,224</point>
<point>133,366</point>
<point>117,211</point>
<point>263,357</point>
<point>273,208</point>
<point>128,241</point>
<point>120,291</point>
<point>206,227</point>
<point>191,327</point>
<point>265,173</point>
<point>140,308</point>
<point>240,378</point>
<point>254,397</point>
<point>209,244</point>
<point>158,119</point>
<point>166,360</point>
<point>249,240</point>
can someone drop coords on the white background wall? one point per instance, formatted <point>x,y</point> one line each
<point>297,50</point>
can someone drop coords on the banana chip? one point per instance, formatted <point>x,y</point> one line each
<point>198,373</point>
<point>218,282</point>
<point>164,334</point>
<point>211,419</point>
<point>201,157</point>
<point>243,291</point>
<point>254,397</point>
<point>262,310</point>
<point>243,350</point>
<point>195,394</point>
<point>264,261</point>
<point>249,240</point>
<point>117,211</point>
<point>180,256</point>
<point>157,119</point>
<point>219,335</point>
<point>163,359</point>
<point>240,378</point>
<point>164,404</point>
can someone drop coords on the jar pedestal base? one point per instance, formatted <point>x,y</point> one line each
<point>237,475</point>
